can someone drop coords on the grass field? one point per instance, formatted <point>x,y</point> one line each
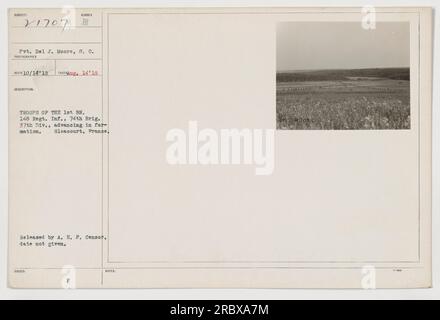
<point>343,99</point>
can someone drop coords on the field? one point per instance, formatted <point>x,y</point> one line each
<point>343,99</point>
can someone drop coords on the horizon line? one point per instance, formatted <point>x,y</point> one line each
<point>329,69</point>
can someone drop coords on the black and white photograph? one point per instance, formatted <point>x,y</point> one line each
<point>342,76</point>
<point>212,154</point>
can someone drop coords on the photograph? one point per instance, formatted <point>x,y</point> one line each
<point>342,76</point>
<point>222,158</point>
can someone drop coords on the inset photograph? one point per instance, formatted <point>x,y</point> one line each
<point>340,76</point>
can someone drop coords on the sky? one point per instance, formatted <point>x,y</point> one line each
<point>341,45</point>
